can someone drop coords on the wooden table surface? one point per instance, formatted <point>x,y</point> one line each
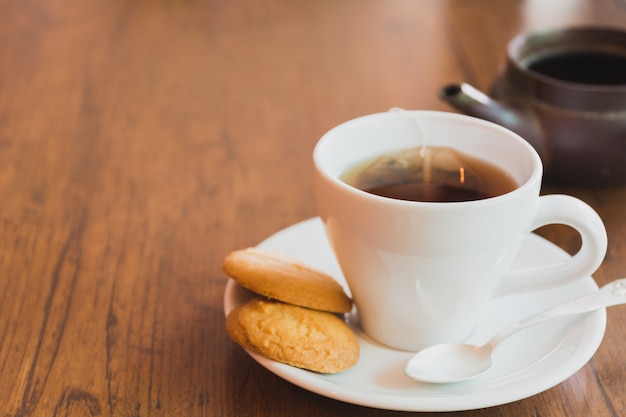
<point>142,140</point>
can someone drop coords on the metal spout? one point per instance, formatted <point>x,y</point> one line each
<point>473,102</point>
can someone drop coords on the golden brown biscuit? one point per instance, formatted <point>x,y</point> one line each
<point>281,278</point>
<point>311,339</point>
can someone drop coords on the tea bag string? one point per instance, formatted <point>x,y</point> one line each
<point>424,150</point>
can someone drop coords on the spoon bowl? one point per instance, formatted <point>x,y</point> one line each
<point>456,362</point>
<point>460,362</point>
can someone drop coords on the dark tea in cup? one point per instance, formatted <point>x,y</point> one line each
<point>429,174</point>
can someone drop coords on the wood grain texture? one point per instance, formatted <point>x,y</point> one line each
<point>142,140</point>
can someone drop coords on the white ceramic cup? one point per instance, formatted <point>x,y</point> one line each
<point>421,272</point>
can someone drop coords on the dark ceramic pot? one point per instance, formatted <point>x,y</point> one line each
<point>564,91</point>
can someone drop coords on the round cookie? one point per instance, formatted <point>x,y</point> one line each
<point>281,278</point>
<point>311,339</point>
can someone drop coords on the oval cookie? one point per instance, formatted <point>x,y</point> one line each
<point>311,339</point>
<point>281,278</point>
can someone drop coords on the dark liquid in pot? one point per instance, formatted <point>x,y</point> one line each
<point>581,67</point>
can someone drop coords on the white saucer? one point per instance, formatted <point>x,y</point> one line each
<point>528,363</point>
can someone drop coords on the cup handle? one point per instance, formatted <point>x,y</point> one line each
<point>570,211</point>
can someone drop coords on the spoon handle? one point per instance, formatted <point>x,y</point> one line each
<point>611,294</point>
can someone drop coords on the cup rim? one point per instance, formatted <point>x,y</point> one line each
<point>533,179</point>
